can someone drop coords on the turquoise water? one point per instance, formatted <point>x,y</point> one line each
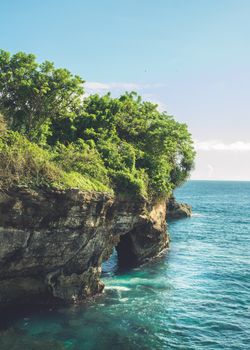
<point>196,296</point>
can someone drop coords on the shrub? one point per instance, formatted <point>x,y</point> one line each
<point>25,163</point>
<point>83,159</point>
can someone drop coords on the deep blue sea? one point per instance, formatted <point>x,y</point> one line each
<point>196,296</point>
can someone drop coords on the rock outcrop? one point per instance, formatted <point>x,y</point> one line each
<point>176,210</point>
<point>53,243</point>
<point>147,238</point>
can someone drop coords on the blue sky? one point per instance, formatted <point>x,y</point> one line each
<point>192,57</point>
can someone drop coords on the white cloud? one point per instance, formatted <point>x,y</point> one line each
<point>211,170</point>
<point>213,145</point>
<point>94,85</point>
<point>97,86</point>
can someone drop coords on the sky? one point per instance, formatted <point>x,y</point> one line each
<point>192,57</point>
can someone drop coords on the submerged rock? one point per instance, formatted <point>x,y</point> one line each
<point>177,210</point>
<point>53,243</point>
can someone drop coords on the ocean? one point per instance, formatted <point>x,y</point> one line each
<point>195,296</point>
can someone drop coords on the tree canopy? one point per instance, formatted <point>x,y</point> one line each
<point>32,94</point>
<point>124,142</point>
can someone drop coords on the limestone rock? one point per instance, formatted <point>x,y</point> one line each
<point>177,210</point>
<point>53,243</point>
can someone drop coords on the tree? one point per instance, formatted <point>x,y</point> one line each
<point>32,94</point>
<point>125,141</point>
<point>138,144</point>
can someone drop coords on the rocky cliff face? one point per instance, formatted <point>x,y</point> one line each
<point>53,243</point>
<point>176,210</point>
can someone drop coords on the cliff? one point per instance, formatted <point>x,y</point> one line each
<point>53,243</point>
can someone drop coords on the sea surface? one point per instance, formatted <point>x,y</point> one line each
<point>194,297</point>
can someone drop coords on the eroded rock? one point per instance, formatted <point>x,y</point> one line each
<point>53,243</point>
<point>176,210</point>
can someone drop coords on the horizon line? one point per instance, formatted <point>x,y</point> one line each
<point>232,180</point>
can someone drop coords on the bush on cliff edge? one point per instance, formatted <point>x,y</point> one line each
<point>24,163</point>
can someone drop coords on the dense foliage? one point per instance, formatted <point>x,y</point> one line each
<point>23,163</point>
<point>31,94</point>
<point>124,142</point>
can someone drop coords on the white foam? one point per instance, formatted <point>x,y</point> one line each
<point>123,300</point>
<point>197,215</point>
<point>119,288</point>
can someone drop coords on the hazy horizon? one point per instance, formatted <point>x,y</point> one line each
<point>192,58</point>
<point>218,180</point>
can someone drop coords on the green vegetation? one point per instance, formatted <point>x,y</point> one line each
<point>31,94</point>
<point>57,137</point>
<point>23,163</point>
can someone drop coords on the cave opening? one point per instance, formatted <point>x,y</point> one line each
<point>125,254</point>
<point>122,258</point>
